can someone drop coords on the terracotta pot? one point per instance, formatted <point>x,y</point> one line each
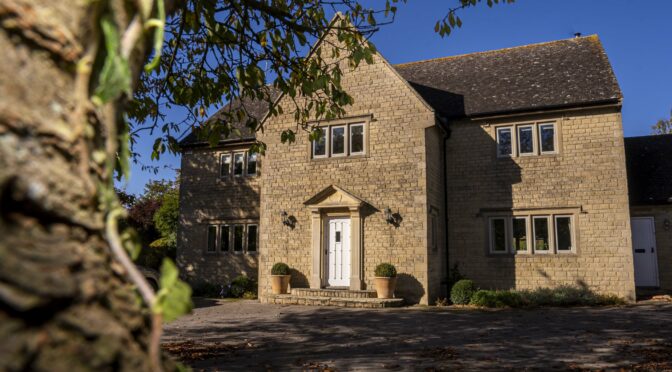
<point>385,286</point>
<point>279,283</point>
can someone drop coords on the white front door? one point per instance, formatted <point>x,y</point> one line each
<point>644,252</point>
<point>337,265</point>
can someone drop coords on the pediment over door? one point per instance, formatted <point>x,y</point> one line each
<point>334,197</point>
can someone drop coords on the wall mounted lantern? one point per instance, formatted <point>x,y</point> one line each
<point>288,220</point>
<point>391,218</point>
<point>285,218</point>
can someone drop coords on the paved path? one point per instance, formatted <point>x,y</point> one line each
<point>246,335</point>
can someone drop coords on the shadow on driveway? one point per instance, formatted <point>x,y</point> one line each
<point>263,337</point>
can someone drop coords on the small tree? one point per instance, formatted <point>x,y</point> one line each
<point>166,219</point>
<point>663,126</point>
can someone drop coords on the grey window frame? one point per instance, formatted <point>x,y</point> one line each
<point>491,235</point>
<point>571,233</point>
<point>247,238</point>
<point>221,164</point>
<point>555,137</point>
<point>345,140</point>
<point>234,164</point>
<point>518,142</point>
<point>326,132</point>
<point>207,239</point>
<point>548,231</point>
<point>511,140</point>
<point>363,126</point>
<point>248,154</point>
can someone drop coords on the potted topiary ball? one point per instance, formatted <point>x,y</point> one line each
<point>386,280</point>
<point>280,278</point>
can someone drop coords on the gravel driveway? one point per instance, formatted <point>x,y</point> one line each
<point>246,335</point>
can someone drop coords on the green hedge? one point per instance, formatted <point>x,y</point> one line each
<point>559,296</point>
<point>462,292</point>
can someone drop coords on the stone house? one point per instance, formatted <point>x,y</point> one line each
<point>649,162</point>
<point>507,166</point>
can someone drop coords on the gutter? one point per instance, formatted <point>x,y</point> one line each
<point>443,125</point>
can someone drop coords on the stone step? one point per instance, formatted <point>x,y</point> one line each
<point>332,293</point>
<point>361,303</point>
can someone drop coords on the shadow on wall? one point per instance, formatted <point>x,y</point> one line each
<point>479,187</point>
<point>298,280</point>
<point>208,199</point>
<point>409,288</point>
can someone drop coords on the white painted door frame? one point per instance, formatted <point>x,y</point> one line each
<point>337,251</point>
<point>645,256</point>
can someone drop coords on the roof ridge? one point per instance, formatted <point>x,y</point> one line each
<point>649,135</point>
<point>592,36</point>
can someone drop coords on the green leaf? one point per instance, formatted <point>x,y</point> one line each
<point>174,297</point>
<point>159,24</point>
<point>115,76</point>
<point>124,154</point>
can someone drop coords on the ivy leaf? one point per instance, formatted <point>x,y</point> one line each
<point>174,297</point>
<point>115,76</point>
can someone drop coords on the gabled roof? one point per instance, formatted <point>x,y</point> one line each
<point>571,72</point>
<point>255,108</point>
<point>649,165</point>
<point>566,73</point>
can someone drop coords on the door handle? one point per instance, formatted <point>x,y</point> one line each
<point>652,250</point>
<point>640,250</point>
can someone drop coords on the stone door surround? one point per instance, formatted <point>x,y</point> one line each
<point>334,201</point>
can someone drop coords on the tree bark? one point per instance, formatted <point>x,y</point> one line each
<point>65,304</point>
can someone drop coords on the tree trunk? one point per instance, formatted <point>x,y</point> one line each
<point>65,304</point>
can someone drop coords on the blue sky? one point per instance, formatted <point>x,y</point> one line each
<point>636,35</point>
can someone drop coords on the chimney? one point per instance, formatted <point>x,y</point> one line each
<point>577,34</point>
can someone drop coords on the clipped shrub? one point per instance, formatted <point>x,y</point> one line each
<point>202,288</point>
<point>386,270</point>
<point>462,291</point>
<point>243,286</point>
<point>280,268</point>
<point>488,298</point>
<point>540,297</point>
<point>569,296</point>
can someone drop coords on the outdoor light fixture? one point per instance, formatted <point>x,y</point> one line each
<point>285,218</point>
<point>389,216</point>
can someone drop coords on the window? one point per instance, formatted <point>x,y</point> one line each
<point>337,141</point>
<point>212,238</point>
<point>563,233</point>
<point>513,234</point>
<point>225,165</point>
<point>525,140</point>
<point>238,237</point>
<point>238,164</point>
<point>320,146</point>
<point>225,236</point>
<point>356,139</point>
<point>252,234</point>
<point>347,139</point>
<point>519,229</point>
<point>547,137</point>
<point>251,163</point>
<point>541,234</point>
<point>498,235</point>
<point>503,142</point>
